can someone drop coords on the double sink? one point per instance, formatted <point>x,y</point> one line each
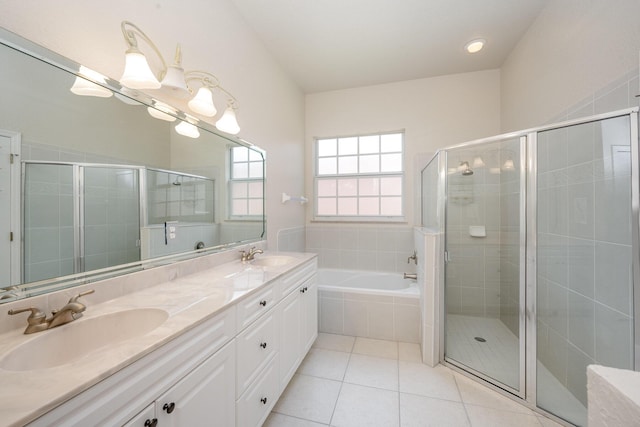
<point>68,343</point>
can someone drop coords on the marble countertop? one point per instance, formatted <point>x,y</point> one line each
<point>188,300</point>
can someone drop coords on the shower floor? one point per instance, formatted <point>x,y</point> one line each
<point>499,357</point>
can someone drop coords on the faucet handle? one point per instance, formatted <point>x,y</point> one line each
<point>81,294</point>
<point>35,318</point>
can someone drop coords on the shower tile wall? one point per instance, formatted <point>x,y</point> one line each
<point>112,219</point>
<point>510,239</point>
<point>48,222</point>
<point>584,256</point>
<point>473,270</point>
<point>362,247</point>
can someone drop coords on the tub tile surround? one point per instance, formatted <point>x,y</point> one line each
<point>401,392</point>
<point>374,247</point>
<point>177,289</point>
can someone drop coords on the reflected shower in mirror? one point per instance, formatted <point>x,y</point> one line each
<point>100,185</point>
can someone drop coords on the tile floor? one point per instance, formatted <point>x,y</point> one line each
<point>351,382</point>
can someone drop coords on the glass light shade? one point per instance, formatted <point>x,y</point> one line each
<point>508,165</point>
<point>478,162</point>
<point>84,87</point>
<point>174,80</point>
<point>187,129</point>
<point>202,103</point>
<point>228,122</point>
<point>137,74</point>
<point>161,111</point>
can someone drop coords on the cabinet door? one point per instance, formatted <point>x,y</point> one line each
<point>309,315</point>
<point>290,335</point>
<point>206,394</point>
<point>146,418</point>
<point>255,347</point>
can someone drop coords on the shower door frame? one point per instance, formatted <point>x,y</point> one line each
<point>528,255</point>
<point>522,332</point>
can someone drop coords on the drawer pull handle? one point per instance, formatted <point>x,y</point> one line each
<point>263,400</point>
<point>151,423</point>
<point>263,303</point>
<point>263,344</point>
<point>169,407</point>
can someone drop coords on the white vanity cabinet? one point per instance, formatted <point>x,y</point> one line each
<point>288,329</point>
<point>202,357</point>
<point>202,395</point>
<point>298,327</point>
<point>227,371</point>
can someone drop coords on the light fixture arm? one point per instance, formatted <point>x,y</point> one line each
<point>130,30</point>
<point>212,82</point>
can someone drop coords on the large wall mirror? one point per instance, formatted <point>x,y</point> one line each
<point>96,186</point>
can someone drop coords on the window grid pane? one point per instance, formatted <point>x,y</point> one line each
<point>360,176</point>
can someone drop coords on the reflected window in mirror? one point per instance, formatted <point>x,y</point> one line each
<point>246,183</point>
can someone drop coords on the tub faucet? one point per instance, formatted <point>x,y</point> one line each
<point>250,254</point>
<point>412,276</point>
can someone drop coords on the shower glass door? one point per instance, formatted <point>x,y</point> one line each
<point>584,274</point>
<point>484,325</point>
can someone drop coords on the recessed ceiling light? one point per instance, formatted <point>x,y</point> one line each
<point>475,45</point>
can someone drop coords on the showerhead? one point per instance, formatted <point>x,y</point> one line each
<point>467,171</point>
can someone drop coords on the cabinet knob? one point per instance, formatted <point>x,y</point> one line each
<point>306,289</point>
<point>151,423</point>
<point>263,400</point>
<point>302,290</point>
<point>263,344</point>
<point>263,303</point>
<point>169,407</point>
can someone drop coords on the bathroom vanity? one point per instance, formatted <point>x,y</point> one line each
<point>216,346</point>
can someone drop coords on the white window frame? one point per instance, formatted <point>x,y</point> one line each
<point>359,218</point>
<point>232,180</point>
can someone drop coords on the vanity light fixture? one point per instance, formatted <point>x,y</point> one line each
<point>475,46</point>
<point>228,122</point>
<point>84,87</point>
<point>138,75</point>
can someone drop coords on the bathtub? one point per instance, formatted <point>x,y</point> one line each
<point>369,304</point>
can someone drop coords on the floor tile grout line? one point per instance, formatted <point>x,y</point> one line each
<point>398,377</point>
<point>344,374</point>
<point>464,405</point>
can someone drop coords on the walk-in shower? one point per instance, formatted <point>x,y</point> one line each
<point>540,256</point>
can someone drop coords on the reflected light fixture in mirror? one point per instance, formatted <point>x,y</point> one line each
<point>162,111</point>
<point>187,129</point>
<point>478,162</point>
<point>84,87</point>
<point>138,75</point>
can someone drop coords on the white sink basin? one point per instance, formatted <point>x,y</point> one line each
<point>273,260</point>
<point>68,343</point>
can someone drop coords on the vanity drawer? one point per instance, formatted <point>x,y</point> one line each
<point>254,406</point>
<point>254,306</point>
<point>291,280</point>
<point>256,347</point>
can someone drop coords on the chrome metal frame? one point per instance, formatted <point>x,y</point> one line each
<point>528,255</point>
<point>522,251</point>
<point>635,230</point>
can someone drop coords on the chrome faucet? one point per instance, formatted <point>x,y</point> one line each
<point>37,320</point>
<point>413,257</point>
<point>249,255</point>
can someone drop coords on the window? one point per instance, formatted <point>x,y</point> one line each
<point>246,184</point>
<point>360,177</point>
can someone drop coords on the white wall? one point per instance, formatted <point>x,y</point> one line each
<point>434,112</point>
<point>572,50</point>
<point>214,38</point>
